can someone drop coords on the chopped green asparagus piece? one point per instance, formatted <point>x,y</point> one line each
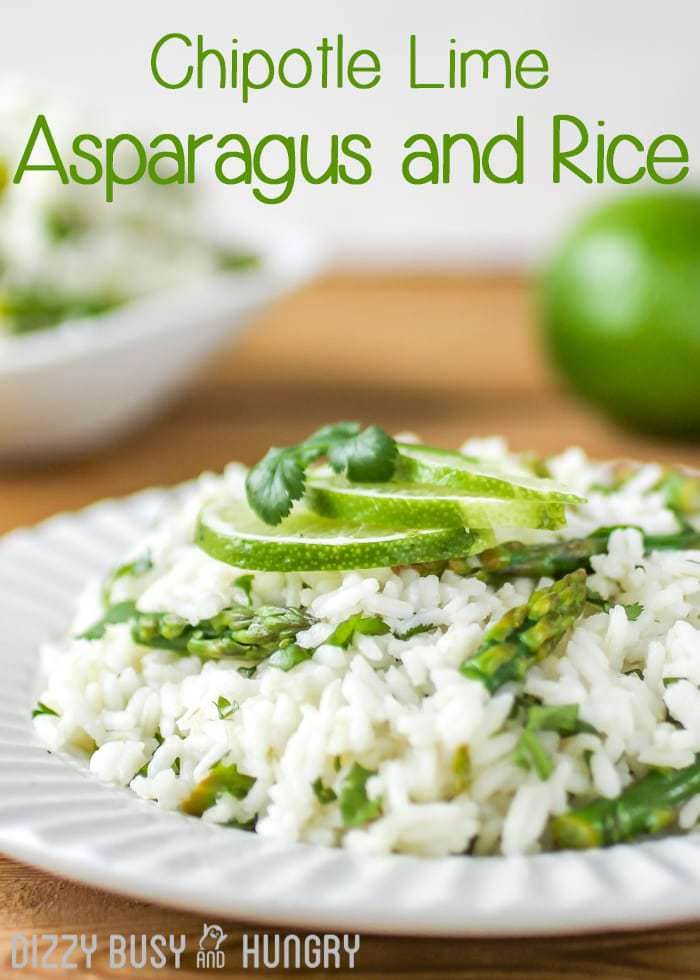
<point>461,768</point>
<point>221,780</point>
<point>239,631</point>
<point>531,754</point>
<point>527,633</point>
<point>558,558</point>
<point>562,719</point>
<point>645,807</point>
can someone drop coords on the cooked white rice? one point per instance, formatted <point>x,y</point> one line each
<point>397,707</point>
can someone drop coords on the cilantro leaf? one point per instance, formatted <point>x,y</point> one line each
<point>273,484</point>
<point>345,632</point>
<point>368,457</point>
<point>356,808</point>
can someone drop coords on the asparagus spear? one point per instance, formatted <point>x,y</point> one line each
<point>239,631</point>
<point>645,807</point>
<point>527,633</point>
<point>561,557</point>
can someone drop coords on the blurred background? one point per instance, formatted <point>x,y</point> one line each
<point>420,308</point>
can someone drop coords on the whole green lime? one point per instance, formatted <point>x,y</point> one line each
<point>621,310</point>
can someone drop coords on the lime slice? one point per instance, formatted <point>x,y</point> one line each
<point>229,531</point>
<point>440,467</point>
<point>413,505</point>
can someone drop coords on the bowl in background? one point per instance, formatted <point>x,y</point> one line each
<point>75,386</point>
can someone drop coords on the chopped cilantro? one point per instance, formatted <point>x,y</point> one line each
<point>122,612</point>
<point>344,634</point>
<point>633,610</point>
<point>415,631</point>
<point>225,707</point>
<point>356,808</point>
<point>324,794</point>
<point>43,709</point>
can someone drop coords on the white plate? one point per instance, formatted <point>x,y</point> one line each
<point>55,815</point>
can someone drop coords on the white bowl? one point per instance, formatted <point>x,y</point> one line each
<point>77,385</point>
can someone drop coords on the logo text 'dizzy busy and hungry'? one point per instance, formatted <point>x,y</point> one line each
<point>257,951</point>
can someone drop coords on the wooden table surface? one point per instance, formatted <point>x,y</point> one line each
<point>446,356</point>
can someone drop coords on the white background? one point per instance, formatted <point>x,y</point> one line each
<point>633,63</point>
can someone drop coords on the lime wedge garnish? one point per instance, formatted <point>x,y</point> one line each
<point>304,541</point>
<point>414,505</point>
<point>440,467</point>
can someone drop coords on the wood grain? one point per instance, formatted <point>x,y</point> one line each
<point>446,356</point>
